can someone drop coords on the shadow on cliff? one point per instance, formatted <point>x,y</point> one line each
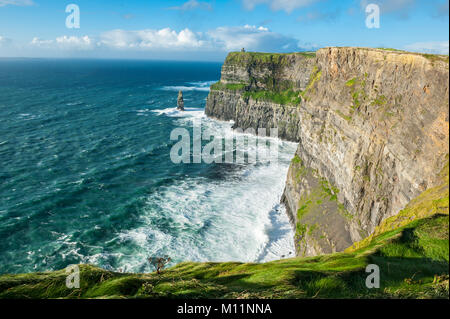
<point>287,281</point>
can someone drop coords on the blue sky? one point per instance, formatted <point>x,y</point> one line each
<point>207,30</point>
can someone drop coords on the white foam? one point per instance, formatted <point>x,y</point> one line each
<point>191,86</point>
<point>188,112</point>
<point>74,103</point>
<point>234,218</point>
<point>27,116</point>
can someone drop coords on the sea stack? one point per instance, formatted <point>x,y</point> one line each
<point>180,101</point>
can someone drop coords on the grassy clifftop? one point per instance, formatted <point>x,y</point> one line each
<point>273,77</point>
<point>247,58</point>
<point>411,250</point>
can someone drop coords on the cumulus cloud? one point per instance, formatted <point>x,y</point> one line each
<point>277,5</point>
<point>152,39</point>
<point>40,42</point>
<point>221,39</point>
<point>65,43</point>
<point>167,43</point>
<point>192,5</point>
<point>77,43</point>
<point>21,3</point>
<point>437,47</point>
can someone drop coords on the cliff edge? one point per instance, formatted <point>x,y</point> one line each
<point>372,127</point>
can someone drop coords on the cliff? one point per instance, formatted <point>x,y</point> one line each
<point>372,127</point>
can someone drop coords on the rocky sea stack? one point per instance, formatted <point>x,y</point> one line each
<point>180,101</point>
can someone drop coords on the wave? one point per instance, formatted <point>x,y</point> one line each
<point>193,112</point>
<point>237,217</point>
<point>132,204</point>
<point>191,86</point>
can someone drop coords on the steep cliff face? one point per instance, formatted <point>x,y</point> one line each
<point>372,127</point>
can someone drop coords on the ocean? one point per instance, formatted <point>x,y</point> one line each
<point>86,174</point>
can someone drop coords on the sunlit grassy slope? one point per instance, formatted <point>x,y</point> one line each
<point>411,249</point>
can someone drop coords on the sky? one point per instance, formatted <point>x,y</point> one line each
<point>207,30</point>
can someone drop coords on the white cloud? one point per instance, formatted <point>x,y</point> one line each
<point>193,4</point>
<point>437,47</point>
<point>22,3</point>
<point>77,43</point>
<point>152,39</point>
<point>251,38</point>
<point>4,41</point>
<point>219,40</point>
<point>39,42</point>
<point>276,5</point>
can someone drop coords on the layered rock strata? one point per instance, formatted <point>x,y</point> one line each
<point>372,127</point>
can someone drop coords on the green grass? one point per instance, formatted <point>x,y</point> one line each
<point>436,57</point>
<point>283,97</point>
<point>328,189</point>
<point>431,57</point>
<point>313,79</point>
<point>259,57</point>
<point>219,86</point>
<point>348,118</point>
<point>312,201</point>
<point>410,248</point>
<point>413,262</point>
<point>351,82</point>
<point>379,101</point>
<point>271,88</point>
<point>296,160</point>
<point>246,58</point>
<point>391,49</point>
<point>357,92</point>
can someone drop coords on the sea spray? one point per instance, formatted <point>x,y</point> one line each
<point>87,178</point>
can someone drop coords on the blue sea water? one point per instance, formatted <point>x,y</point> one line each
<point>86,176</point>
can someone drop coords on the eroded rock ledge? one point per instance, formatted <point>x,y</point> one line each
<point>372,127</point>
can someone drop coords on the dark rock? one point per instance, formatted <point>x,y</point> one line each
<point>371,124</point>
<point>180,101</point>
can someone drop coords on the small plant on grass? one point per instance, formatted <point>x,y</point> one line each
<point>159,263</point>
